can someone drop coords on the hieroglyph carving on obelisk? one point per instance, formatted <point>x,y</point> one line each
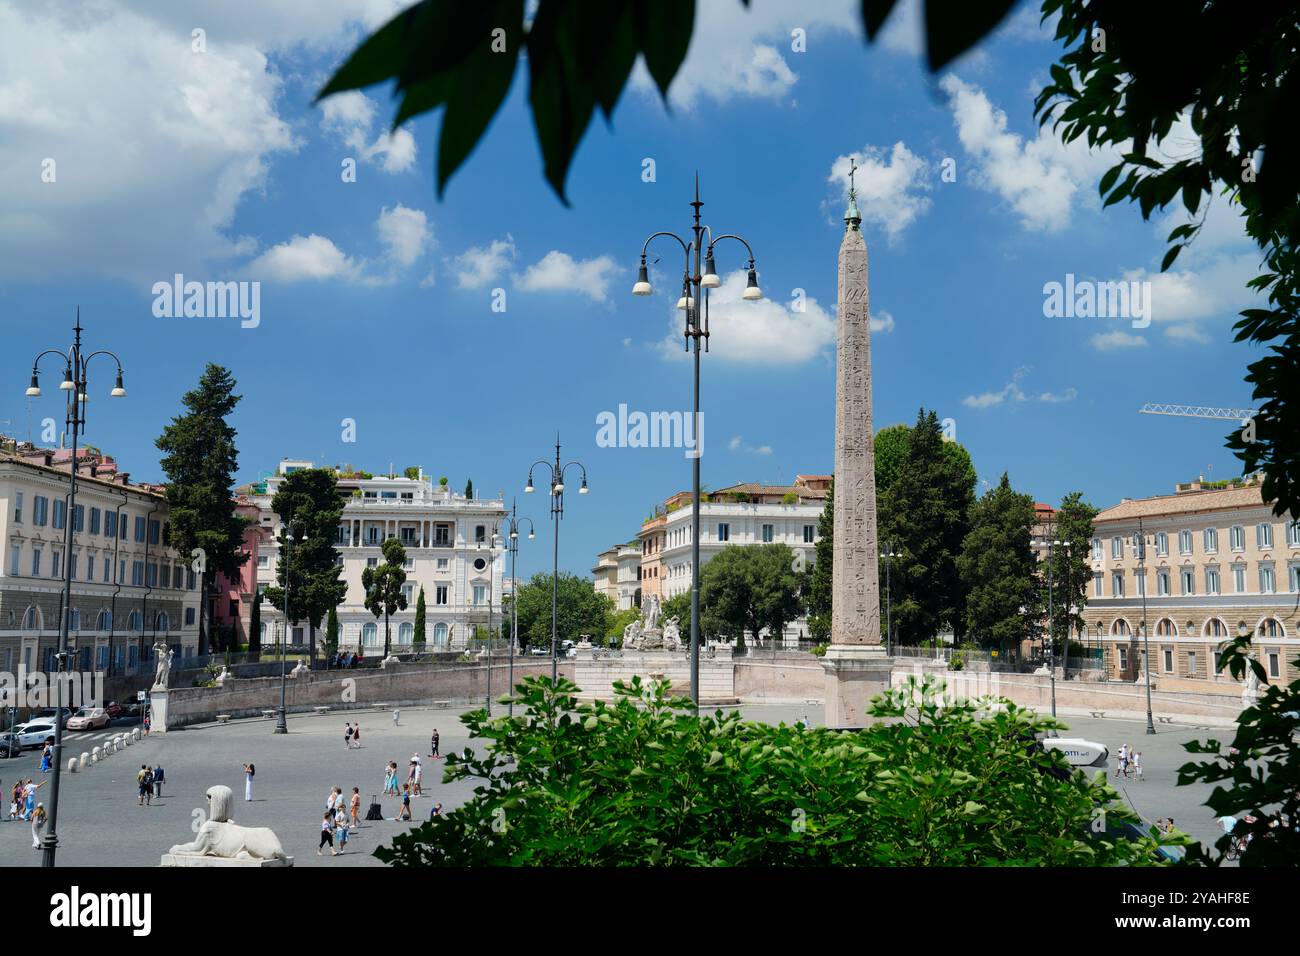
<point>855,590</point>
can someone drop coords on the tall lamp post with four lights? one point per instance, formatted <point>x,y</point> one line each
<point>512,543</point>
<point>74,382</point>
<point>695,292</point>
<point>557,512</point>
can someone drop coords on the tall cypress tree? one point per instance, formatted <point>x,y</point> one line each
<point>418,637</point>
<point>999,569</point>
<point>255,627</point>
<point>200,461</point>
<point>332,632</point>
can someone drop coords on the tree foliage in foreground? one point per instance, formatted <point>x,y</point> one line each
<point>645,781</point>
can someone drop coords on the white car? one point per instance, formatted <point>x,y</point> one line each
<point>88,718</point>
<point>1079,752</point>
<point>35,733</point>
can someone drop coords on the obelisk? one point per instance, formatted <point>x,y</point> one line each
<point>855,663</point>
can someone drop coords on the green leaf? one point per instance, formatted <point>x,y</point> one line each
<point>663,29</point>
<point>874,13</point>
<point>953,26</point>
<point>480,87</point>
<point>1170,256</point>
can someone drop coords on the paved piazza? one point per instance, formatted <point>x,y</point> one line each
<point>101,825</point>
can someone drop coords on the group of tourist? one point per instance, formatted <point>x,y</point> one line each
<point>352,736</point>
<point>149,783</point>
<point>1130,762</point>
<point>341,816</point>
<point>339,659</point>
<point>23,804</point>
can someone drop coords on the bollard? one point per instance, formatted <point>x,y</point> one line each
<point>126,740</point>
<point>72,765</point>
<point>95,755</point>
<point>135,733</point>
<point>84,761</point>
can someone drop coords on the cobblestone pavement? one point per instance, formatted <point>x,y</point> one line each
<point>100,823</point>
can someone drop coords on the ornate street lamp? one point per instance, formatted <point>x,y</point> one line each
<point>74,382</point>
<point>557,512</point>
<point>281,722</point>
<point>695,286</point>
<point>512,542</point>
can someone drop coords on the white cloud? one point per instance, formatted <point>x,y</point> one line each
<point>904,29</point>
<point>736,444</point>
<point>479,265</point>
<point>888,185</point>
<point>404,232</point>
<point>155,146</point>
<point>1037,177</point>
<point>1013,392</point>
<point>1109,341</point>
<point>1187,333</point>
<point>351,118</point>
<point>560,272</point>
<point>304,257</point>
<point>759,333</point>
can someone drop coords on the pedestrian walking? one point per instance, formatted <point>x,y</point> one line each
<point>1136,762</point>
<point>390,779</point>
<point>397,718</point>
<point>433,745</point>
<point>355,807</point>
<point>405,812</point>
<point>347,737</point>
<point>436,811</point>
<point>146,723</point>
<point>38,825</point>
<point>419,775</point>
<point>47,756</point>
<point>249,771</point>
<point>144,783</point>
<point>1122,765</point>
<point>29,797</point>
<point>330,800</point>
<point>158,780</point>
<point>356,737</point>
<point>327,834</point>
<point>15,799</point>
<point>341,828</point>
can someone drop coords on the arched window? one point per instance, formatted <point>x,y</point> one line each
<point>1166,628</point>
<point>74,620</point>
<point>1214,627</point>
<point>162,622</point>
<point>1270,627</point>
<point>135,622</point>
<point>1120,628</point>
<point>32,619</point>
<point>405,632</point>
<point>104,621</point>
<point>440,634</point>
<point>369,635</point>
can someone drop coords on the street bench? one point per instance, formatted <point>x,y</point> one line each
<point>322,709</point>
<point>1097,713</point>
<point>223,718</point>
<point>1164,720</point>
<point>268,714</point>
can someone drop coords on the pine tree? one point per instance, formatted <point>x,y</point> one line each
<point>200,461</point>
<point>998,568</point>
<point>1071,566</point>
<point>255,627</point>
<point>418,638</point>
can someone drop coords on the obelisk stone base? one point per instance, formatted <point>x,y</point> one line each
<point>855,673</point>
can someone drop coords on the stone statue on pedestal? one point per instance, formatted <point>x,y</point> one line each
<point>164,657</point>
<point>1250,689</point>
<point>632,635</point>
<point>650,612</point>
<point>222,838</point>
<point>672,634</point>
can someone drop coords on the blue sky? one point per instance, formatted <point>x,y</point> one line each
<point>376,298</point>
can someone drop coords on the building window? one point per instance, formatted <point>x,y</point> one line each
<point>1293,534</point>
<point>809,533</point>
<point>72,566</point>
<point>263,560</point>
<point>1273,669</point>
<point>1096,549</point>
<point>1184,542</point>
<point>1162,544</point>
<point>1266,583</point>
<point>137,573</point>
<point>1264,536</point>
<point>1191,665</point>
<point>405,632</point>
<point>1239,578</point>
<point>440,594</point>
<point>406,593</point>
<point>1211,540</point>
<point>60,513</point>
<point>440,634</point>
<point>369,634</point>
<point>153,575</point>
<point>480,594</point>
<point>189,616</point>
<point>1096,584</point>
<point>1140,582</point>
<point>1215,628</point>
<point>1116,547</point>
<point>1117,584</point>
<point>110,524</point>
<point>1237,538</point>
<point>1189,580</point>
<point>1169,660</point>
<point>18,507</point>
<point>1123,658</point>
<point>408,536</point>
<point>442,564</point>
<point>94,520</point>
<point>372,562</point>
<point>480,533</point>
<point>56,563</point>
<point>1270,628</point>
<point>79,518</point>
<point>1162,582</point>
<point>40,510</point>
<point>1294,573</point>
<point>724,532</point>
<point>1211,580</point>
<point>36,562</point>
<point>767,534</point>
<point>372,535</point>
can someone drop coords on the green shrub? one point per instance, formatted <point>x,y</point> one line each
<point>645,781</point>
<point>819,650</point>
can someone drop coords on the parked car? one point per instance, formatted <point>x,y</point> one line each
<point>49,713</point>
<point>35,733</point>
<point>88,718</point>
<point>114,710</point>
<point>539,651</point>
<point>9,746</point>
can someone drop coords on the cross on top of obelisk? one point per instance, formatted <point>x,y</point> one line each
<point>851,215</point>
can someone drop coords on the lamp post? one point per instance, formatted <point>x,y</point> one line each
<point>493,544</point>
<point>1140,544</point>
<point>1068,545</point>
<point>281,723</point>
<point>512,542</point>
<point>890,554</point>
<point>1049,542</point>
<point>74,382</point>
<point>695,286</point>
<point>557,512</point>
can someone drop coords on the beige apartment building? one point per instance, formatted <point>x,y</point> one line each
<point>617,575</point>
<point>1211,563</point>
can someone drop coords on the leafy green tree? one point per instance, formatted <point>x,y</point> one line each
<point>924,516</point>
<point>418,637</point>
<point>579,610</point>
<point>309,506</point>
<point>646,781</point>
<point>383,586</point>
<point>818,585</point>
<point>255,626</point>
<point>200,461</point>
<point>680,608</point>
<point>750,589</point>
<point>890,447</point>
<point>1071,567</point>
<point>1239,97</point>
<point>999,568</point>
<point>413,472</point>
<point>332,632</point>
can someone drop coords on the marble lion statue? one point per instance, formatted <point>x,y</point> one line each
<point>220,837</point>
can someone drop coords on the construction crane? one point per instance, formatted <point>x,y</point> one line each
<point>1198,411</point>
